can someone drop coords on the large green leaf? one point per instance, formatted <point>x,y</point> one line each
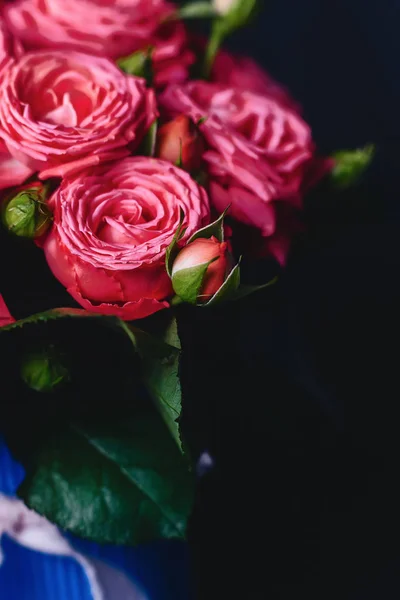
<point>123,483</point>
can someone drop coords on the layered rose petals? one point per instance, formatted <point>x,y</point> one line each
<point>105,28</point>
<point>61,112</point>
<point>259,151</point>
<point>9,47</point>
<point>112,226</point>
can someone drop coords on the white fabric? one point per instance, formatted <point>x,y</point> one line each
<point>36,533</point>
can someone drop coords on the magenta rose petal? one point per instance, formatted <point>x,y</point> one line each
<point>5,316</point>
<point>129,311</point>
<point>12,171</point>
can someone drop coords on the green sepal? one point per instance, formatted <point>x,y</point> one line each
<point>187,282</point>
<point>228,289</point>
<point>139,63</point>
<point>173,248</point>
<point>179,162</point>
<point>215,229</point>
<point>148,145</point>
<point>248,290</point>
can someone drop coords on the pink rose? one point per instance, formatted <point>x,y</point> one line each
<point>64,111</point>
<point>5,317</point>
<point>112,226</point>
<point>201,252</point>
<point>245,74</point>
<point>111,28</point>
<point>258,151</point>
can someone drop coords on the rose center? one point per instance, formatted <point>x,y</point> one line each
<point>126,222</point>
<point>60,97</point>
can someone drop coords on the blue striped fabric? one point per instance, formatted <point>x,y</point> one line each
<point>160,569</point>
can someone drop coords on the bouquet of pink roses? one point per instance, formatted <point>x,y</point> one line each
<point>139,163</point>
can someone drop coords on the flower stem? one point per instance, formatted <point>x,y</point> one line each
<point>213,46</point>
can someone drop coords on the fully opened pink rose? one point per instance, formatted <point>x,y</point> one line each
<point>64,111</point>
<point>259,151</point>
<point>112,226</point>
<point>111,28</point>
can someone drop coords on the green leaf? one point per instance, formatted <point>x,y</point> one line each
<point>51,315</point>
<point>248,290</point>
<point>187,282</point>
<point>215,229</point>
<point>170,333</point>
<point>160,374</point>
<point>120,483</point>
<point>139,64</point>
<point>228,289</point>
<point>350,165</point>
<point>196,10</point>
<point>173,248</point>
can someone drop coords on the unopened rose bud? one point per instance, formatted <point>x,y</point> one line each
<point>204,265</point>
<point>26,213</point>
<point>181,143</point>
<point>43,371</point>
<point>223,7</point>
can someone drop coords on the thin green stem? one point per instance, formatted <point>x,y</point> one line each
<point>212,49</point>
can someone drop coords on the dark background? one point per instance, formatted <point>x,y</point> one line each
<point>296,395</point>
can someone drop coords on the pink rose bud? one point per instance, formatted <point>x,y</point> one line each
<point>200,253</point>
<point>224,6</point>
<point>181,143</point>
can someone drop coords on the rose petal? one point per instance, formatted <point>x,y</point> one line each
<point>129,311</point>
<point>5,317</point>
<point>12,172</point>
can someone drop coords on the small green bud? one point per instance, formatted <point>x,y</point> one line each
<point>351,164</point>
<point>43,371</point>
<point>27,214</point>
